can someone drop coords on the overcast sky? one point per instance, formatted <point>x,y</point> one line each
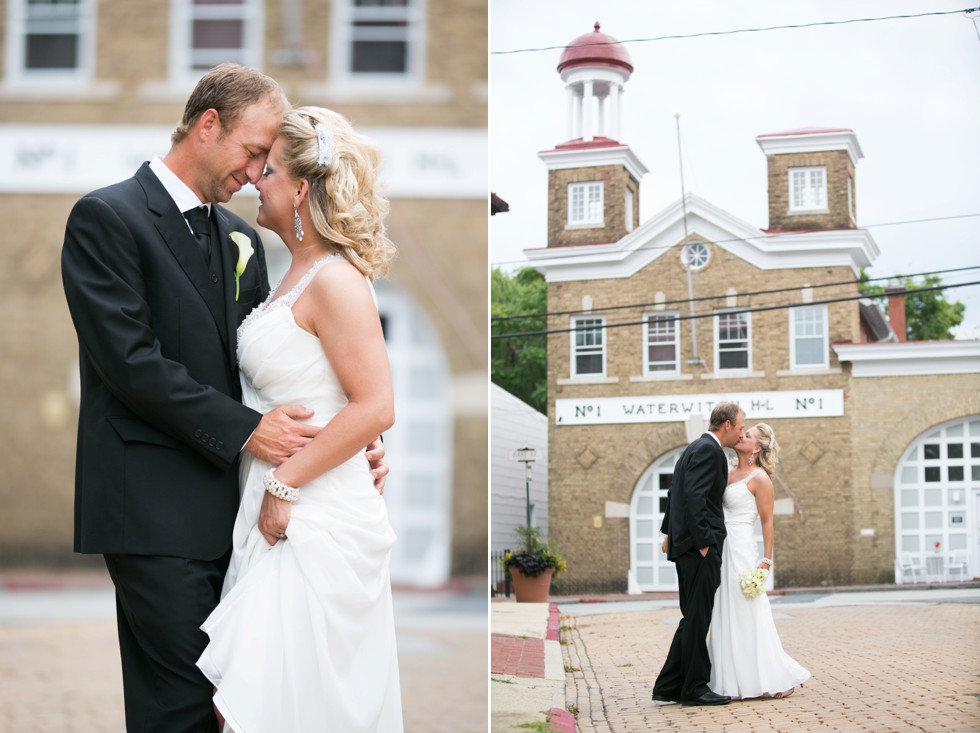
<point>910,90</point>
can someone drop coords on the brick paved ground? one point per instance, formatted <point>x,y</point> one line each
<point>62,676</point>
<point>875,668</point>
<point>514,655</point>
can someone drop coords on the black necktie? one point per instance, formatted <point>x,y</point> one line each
<point>201,225</point>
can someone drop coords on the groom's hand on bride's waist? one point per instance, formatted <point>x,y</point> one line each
<point>376,460</point>
<point>279,434</point>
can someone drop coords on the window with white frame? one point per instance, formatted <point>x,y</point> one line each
<point>733,341</point>
<point>660,342</point>
<point>629,209</point>
<point>212,32</point>
<point>585,203</point>
<point>378,41</point>
<point>808,337</point>
<point>50,40</point>
<point>808,189</point>
<point>588,346</point>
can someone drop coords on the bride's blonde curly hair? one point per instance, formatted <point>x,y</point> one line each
<point>345,206</point>
<point>767,456</point>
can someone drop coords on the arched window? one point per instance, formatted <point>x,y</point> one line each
<point>649,567</point>
<point>650,570</point>
<point>419,447</point>
<point>937,499</point>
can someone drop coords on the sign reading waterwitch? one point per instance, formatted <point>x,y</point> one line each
<point>677,408</point>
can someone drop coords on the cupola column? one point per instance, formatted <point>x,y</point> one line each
<point>571,128</point>
<point>588,111</point>
<point>614,111</point>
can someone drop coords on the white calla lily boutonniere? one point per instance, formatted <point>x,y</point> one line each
<point>245,253</point>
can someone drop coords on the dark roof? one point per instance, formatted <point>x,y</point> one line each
<point>497,204</point>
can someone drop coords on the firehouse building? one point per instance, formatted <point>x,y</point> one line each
<point>879,473</point>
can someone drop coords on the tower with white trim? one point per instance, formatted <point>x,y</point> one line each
<point>593,179</point>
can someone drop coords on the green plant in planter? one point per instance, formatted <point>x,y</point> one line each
<point>535,556</point>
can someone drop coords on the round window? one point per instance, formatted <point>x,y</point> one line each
<point>696,254</point>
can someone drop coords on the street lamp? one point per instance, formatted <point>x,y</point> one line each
<point>527,456</point>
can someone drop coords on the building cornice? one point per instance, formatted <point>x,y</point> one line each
<point>909,358</point>
<point>811,141</point>
<point>558,159</point>
<point>854,248</point>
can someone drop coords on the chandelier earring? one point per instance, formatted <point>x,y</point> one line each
<point>752,459</point>
<point>297,223</point>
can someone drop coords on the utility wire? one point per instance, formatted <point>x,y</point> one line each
<point>727,295</point>
<point>733,311</point>
<point>770,235</point>
<point>684,36</point>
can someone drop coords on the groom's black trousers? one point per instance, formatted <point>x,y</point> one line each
<point>688,668</point>
<point>161,603</point>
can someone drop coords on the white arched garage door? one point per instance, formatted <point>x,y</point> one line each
<point>937,499</point>
<point>650,570</point>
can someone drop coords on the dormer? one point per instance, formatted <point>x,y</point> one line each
<point>811,179</point>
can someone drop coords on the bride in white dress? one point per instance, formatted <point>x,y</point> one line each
<point>747,658</point>
<point>303,639</point>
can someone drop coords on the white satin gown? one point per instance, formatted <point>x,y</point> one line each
<point>747,658</point>
<point>304,639</point>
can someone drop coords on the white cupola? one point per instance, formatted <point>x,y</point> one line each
<point>594,67</point>
<point>593,179</point>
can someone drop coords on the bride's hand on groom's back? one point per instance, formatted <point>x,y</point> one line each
<point>279,434</point>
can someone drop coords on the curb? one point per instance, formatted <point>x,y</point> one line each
<point>561,721</point>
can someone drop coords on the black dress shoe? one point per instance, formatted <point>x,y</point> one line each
<point>664,698</point>
<point>708,698</point>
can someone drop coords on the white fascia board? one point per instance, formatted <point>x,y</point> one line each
<point>854,248</point>
<point>581,74</point>
<point>592,157</point>
<point>908,358</point>
<point>812,142</point>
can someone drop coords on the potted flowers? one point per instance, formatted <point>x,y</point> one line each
<point>533,566</point>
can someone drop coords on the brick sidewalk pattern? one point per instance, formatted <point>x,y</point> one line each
<point>875,668</point>
<point>517,656</point>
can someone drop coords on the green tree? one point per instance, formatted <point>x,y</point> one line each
<point>519,364</point>
<point>928,315</point>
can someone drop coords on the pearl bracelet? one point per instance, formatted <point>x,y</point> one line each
<point>278,489</point>
<point>767,561</point>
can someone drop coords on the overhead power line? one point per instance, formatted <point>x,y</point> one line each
<point>701,34</point>
<point>733,311</point>
<point>630,306</point>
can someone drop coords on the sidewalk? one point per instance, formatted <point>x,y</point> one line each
<point>59,656</point>
<point>527,675</point>
<point>882,659</point>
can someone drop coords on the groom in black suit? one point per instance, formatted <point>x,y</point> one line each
<point>694,525</point>
<point>158,278</point>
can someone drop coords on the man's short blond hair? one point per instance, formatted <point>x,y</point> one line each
<point>724,411</point>
<point>230,89</point>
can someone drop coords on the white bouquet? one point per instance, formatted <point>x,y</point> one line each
<point>753,582</point>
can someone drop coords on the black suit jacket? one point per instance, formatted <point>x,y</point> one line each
<point>695,517</point>
<point>161,424</point>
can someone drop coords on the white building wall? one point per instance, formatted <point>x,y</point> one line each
<point>515,424</point>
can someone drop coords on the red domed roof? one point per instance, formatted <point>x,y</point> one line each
<point>595,49</point>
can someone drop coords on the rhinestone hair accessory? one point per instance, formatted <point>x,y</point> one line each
<point>772,441</point>
<point>324,144</point>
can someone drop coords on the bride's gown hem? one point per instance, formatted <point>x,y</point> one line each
<point>747,658</point>
<point>303,638</point>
